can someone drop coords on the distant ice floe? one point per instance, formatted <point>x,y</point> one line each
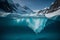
<point>4,14</point>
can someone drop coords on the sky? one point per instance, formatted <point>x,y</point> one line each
<point>35,5</point>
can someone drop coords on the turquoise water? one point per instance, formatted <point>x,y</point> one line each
<point>36,24</point>
<point>23,30</point>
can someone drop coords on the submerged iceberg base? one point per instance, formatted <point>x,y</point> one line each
<point>36,24</point>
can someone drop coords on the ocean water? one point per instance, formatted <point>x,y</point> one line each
<point>24,30</point>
